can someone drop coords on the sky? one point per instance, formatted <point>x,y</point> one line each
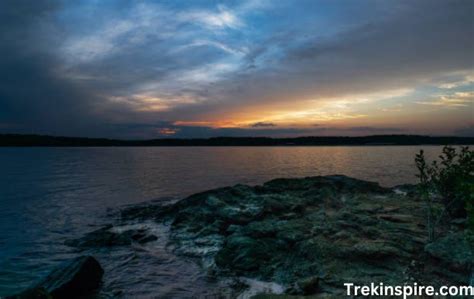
<point>197,69</point>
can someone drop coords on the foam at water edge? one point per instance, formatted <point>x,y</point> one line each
<point>258,287</point>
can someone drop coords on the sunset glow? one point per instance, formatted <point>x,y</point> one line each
<point>150,69</point>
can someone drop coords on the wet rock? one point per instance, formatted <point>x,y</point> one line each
<point>74,279</point>
<point>142,238</point>
<point>453,250</point>
<point>141,212</point>
<point>78,277</point>
<point>406,189</point>
<point>308,286</point>
<point>107,237</point>
<point>310,235</point>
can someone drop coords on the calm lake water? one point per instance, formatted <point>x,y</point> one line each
<point>48,195</point>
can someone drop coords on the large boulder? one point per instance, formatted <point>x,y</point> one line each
<point>76,278</point>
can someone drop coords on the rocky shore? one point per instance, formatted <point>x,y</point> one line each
<point>302,237</point>
<point>311,235</point>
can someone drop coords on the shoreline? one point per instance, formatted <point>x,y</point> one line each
<point>295,232</point>
<point>296,237</point>
<point>19,140</point>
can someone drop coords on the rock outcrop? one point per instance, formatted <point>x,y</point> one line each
<point>311,235</point>
<point>307,236</point>
<point>74,279</point>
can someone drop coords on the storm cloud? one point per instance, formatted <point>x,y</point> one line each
<point>32,95</point>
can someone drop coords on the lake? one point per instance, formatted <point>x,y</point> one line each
<point>49,195</point>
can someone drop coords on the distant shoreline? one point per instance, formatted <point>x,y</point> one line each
<point>23,140</point>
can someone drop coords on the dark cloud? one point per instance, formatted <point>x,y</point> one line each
<point>32,96</point>
<point>188,131</point>
<point>376,130</point>
<point>35,96</point>
<point>262,125</point>
<point>169,130</point>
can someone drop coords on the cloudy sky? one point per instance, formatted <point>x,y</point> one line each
<point>152,69</point>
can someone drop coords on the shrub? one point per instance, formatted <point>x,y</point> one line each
<point>452,181</point>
